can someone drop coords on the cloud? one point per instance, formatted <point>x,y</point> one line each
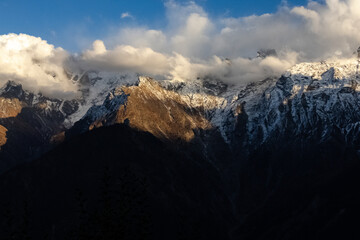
<point>192,40</point>
<point>316,31</point>
<point>126,15</point>
<point>35,64</point>
<point>236,71</point>
<point>124,58</point>
<point>139,37</point>
<point>193,45</point>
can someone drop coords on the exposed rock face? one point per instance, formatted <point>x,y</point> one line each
<point>31,121</point>
<point>148,107</point>
<point>58,138</point>
<point>311,101</point>
<point>263,53</point>
<point>10,107</point>
<point>315,99</point>
<point>2,136</point>
<point>163,113</point>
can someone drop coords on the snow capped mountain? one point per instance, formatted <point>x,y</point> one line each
<point>149,107</point>
<point>273,149</point>
<point>14,98</point>
<point>94,88</point>
<point>309,101</point>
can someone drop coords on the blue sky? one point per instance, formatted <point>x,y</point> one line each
<point>73,24</point>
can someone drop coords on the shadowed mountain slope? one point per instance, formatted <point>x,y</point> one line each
<point>184,193</point>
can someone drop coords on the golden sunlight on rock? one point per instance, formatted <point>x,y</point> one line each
<point>10,107</point>
<point>96,124</point>
<point>58,138</point>
<point>42,105</point>
<point>159,111</point>
<point>2,136</point>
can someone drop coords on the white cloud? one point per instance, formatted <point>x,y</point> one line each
<point>192,46</point>
<point>307,33</point>
<point>126,15</point>
<point>124,58</point>
<point>35,64</point>
<point>139,37</point>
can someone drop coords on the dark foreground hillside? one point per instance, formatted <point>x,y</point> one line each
<point>300,191</point>
<point>118,183</point>
<point>115,183</point>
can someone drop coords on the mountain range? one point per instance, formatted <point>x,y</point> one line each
<point>196,159</point>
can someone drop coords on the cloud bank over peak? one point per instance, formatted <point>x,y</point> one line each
<point>124,58</point>
<point>34,63</point>
<point>314,31</point>
<point>194,45</point>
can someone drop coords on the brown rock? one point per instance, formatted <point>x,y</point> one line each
<point>10,107</point>
<point>3,138</point>
<point>96,124</point>
<point>159,111</point>
<point>58,138</point>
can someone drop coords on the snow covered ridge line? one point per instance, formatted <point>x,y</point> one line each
<point>94,87</point>
<point>343,68</point>
<point>310,100</point>
<point>336,74</point>
<point>13,91</point>
<point>220,101</point>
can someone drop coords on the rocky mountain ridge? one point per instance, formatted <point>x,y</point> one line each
<point>309,100</point>
<point>281,153</point>
<point>30,123</point>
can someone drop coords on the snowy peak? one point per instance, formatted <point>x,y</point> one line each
<point>147,106</point>
<point>15,97</point>
<point>13,90</point>
<point>326,74</point>
<point>310,99</point>
<point>343,69</point>
<point>307,97</point>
